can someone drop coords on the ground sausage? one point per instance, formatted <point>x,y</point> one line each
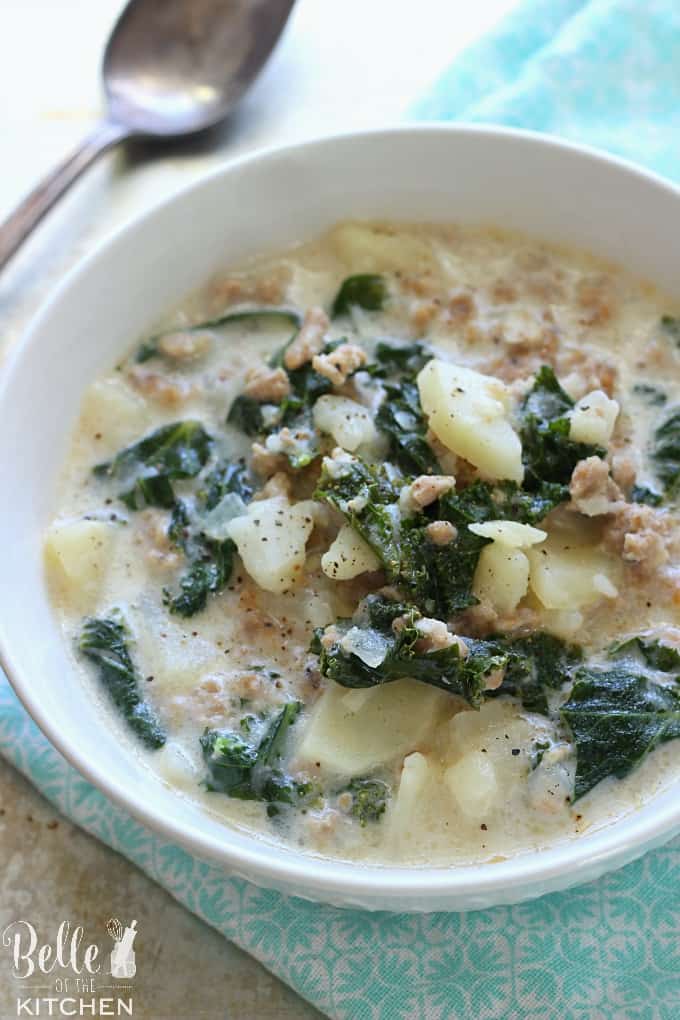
<point>309,341</point>
<point>593,492</point>
<point>266,384</point>
<point>340,363</point>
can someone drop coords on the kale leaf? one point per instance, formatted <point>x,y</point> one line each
<point>211,566</point>
<point>536,664</point>
<point>248,767</point>
<point>616,718</point>
<point>650,394</point>
<point>246,415</point>
<point>147,468</point>
<point>666,452</point>
<point>642,494</point>
<point>103,642</point>
<point>445,668</point>
<point>369,799</point>
<point>367,497</point>
<point>211,559</point>
<point>655,654</point>
<point>398,360</point>
<point>149,348</point>
<point>401,418</point>
<point>367,290</point>
<point>670,324</point>
<point>548,452</point>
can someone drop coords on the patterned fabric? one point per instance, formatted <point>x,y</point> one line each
<point>603,72</point>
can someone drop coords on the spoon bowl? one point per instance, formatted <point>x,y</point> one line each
<point>179,67</point>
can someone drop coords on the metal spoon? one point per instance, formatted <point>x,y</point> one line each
<point>170,69</point>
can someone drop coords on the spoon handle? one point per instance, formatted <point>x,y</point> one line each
<point>17,227</point>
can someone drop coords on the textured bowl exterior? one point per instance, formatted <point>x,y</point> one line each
<point>552,190</point>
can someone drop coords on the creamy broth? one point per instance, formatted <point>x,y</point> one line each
<point>402,770</point>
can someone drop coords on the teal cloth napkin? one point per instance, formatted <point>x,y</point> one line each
<point>606,72</point>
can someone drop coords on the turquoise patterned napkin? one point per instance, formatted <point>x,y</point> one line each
<point>606,72</point>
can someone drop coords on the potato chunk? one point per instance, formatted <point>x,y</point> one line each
<point>348,556</point>
<point>350,736</point>
<point>77,555</point>
<point>593,419</point>
<point>509,533</point>
<point>568,576</point>
<point>271,539</point>
<point>346,421</point>
<point>473,785</point>
<point>468,412</point>
<point>112,414</point>
<point>416,775</point>
<point>502,576</point>
<point>368,249</point>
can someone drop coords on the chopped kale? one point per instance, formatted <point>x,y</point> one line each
<point>651,395</point>
<point>245,414</point>
<point>401,418</point>
<point>642,494</point>
<point>443,582</point>
<point>397,360</point>
<point>211,558</point>
<point>367,497</point>
<point>211,565</point>
<point>249,767</point>
<point>225,478</point>
<point>512,503</point>
<point>670,325</point>
<point>369,799</point>
<point>537,664</point>
<point>437,578</point>
<point>147,468</point>
<point>397,642</point>
<point>367,290</point>
<point>617,717</point>
<point>652,651</point>
<point>666,453</point>
<point>103,642</point>
<point>548,452</point>
<point>149,348</point>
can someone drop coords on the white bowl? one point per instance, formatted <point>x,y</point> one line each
<point>553,190</point>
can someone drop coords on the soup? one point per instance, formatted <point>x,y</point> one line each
<point>370,548</point>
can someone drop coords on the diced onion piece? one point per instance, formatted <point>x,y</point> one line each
<point>367,644</point>
<point>271,539</point>
<point>563,576</point>
<point>502,576</point>
<point>216,521</point>
<point>468,412</point>
<point>593,419</point>
<point>473,785</point>
<point>349,739</point>
<point>348,556</point>
<point>77,555</point>
<point>509,533</point>
<point>346,421</point>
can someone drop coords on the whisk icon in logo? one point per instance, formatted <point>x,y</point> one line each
<point>122,955</point>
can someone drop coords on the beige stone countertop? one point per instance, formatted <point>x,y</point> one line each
<point>339,66</point>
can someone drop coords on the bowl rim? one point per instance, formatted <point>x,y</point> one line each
<point>266,862</point>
